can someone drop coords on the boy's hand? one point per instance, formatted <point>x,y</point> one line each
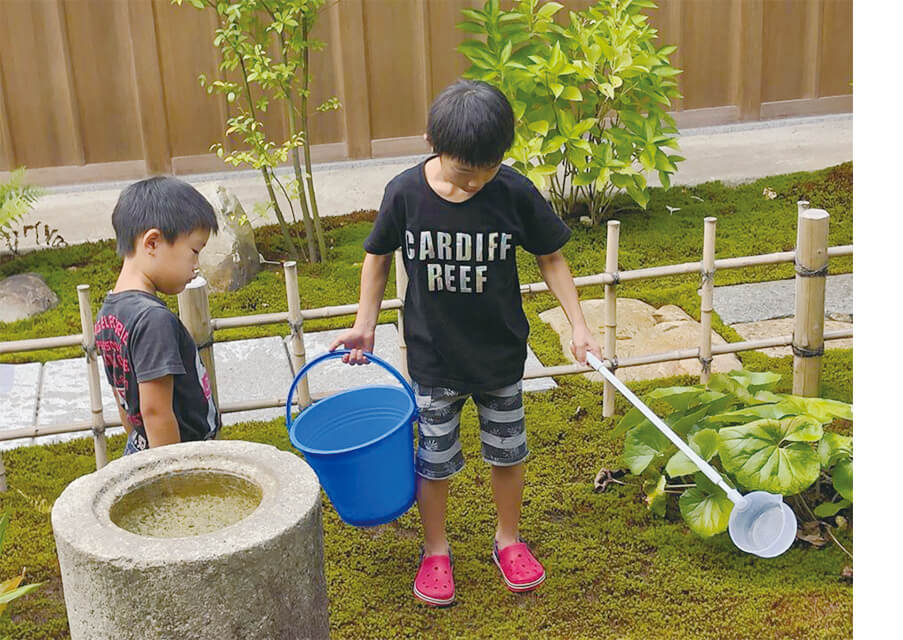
<point>582,342</point>
<point>358,340</point>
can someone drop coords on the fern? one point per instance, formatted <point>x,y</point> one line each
<point>16,198</point>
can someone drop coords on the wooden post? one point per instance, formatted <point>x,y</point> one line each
<point>401,288</point>
<point>707,293</point>
<point>296,322</point>
<point>611,314</point>
<point>3,486</point>
<point>97,422</point>
<point>809,322</point>
<point>194,311</point>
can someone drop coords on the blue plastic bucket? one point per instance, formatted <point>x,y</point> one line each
<point>360,443</point>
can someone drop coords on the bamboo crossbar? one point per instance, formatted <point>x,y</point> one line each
<point>540,372</point>
<point>279,317</point>
<point>33,344</point>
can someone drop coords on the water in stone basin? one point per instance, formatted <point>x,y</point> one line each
<point>186,504</point>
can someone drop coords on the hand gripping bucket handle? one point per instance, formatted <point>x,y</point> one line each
<point>338,353</point>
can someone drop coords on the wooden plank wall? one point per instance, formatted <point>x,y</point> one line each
<point>108,89</point>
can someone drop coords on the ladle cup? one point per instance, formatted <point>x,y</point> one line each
<point>760,522</point>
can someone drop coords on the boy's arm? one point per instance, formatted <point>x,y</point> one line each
<point>555,272</point>
<point>359,338</point>
<point>156,410</point>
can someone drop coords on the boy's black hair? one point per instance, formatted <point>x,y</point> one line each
<point>472,122</point>
<point>162,202</point>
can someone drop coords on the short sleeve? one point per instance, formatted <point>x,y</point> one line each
<point>387,232</point>
<point>154,345</point>
<point>544,231</point>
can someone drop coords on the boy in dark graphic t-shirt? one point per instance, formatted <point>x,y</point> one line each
<point>151,361</point>
<point>458,218</point>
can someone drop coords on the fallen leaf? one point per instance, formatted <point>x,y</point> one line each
<point>811,532</point>
<point>847,574</point>
<point>605,477</point>
<point>769,193</point>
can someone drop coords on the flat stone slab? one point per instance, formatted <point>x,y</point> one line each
<point>769,300</point>
<point>784,327</point>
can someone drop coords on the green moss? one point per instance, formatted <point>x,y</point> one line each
<point>614,569</point>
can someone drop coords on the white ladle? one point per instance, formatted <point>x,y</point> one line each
<point>760,523</point>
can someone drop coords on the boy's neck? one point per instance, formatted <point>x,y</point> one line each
<point>432,171</point>
<point>132,278</point>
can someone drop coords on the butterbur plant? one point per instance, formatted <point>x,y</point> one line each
<point>590,98</point>
<point>10,589</point>
<point>757,439</point>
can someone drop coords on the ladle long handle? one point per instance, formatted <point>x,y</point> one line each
<point>704,466</point>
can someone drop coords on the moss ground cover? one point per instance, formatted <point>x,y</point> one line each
<point>614,569</point>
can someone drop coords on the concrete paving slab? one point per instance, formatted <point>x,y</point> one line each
<point>768,300</point>
<point>248,370</point>
<point>19,394</point>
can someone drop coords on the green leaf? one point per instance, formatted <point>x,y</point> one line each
<point>572,93</point>
<point>519,108</point>
<point>843,478</point>
<point>9,596</point>
<point>748,414</point>
<point>759,455</point>
<point>644,444</point>
<point>828,509</point>
<point>656,498</point>
<point>630,420</point>
<point>475,15</point>
<point>834,447</point>
<point>540,126</point>
<point>557,88</point>
<point>705,508</point>
<point>471,27</point>
<point>548,10</point>
<point>821,409</point>
<point>678,397</point>
<point>704,443</point>
<point>756,380</point>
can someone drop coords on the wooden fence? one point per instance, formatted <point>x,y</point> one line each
<point>810,257</point>
<point>108,90</point>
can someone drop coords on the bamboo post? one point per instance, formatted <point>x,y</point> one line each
<point>401,289</point>
<point>296,323</point>
<point>97,422</point>
<point>809,321</point>
<point>707,293</point>
<point>611,314</point>
<point>194,311</point>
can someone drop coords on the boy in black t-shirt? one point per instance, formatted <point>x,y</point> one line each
<point>457,218</point>
<point>151,361</point>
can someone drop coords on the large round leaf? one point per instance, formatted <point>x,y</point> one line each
<point>705,507</point>
<point>704,442</point>
<point>843,478</point>
<point>772,455</point>
<point>833,448</point>
<point>643,444</point>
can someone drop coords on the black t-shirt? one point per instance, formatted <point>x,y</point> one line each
<point>140,339</point>
<point>465,326</point>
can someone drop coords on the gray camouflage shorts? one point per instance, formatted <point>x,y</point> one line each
<point>502,432</point>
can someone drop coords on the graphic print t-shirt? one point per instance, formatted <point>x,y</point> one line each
<point>465,326</point>
<point>140,340</point>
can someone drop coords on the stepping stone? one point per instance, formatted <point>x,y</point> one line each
<point>768,300</point>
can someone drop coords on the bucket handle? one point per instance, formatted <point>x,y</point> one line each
<point>338,353</point>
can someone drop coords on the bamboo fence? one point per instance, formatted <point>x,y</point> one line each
<point>807,341</point>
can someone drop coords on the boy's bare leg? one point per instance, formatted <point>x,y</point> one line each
<point>432,498</point>
<point>508,491</point>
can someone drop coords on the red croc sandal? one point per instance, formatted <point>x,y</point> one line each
<point>520,568</point>
<point>434,583</point>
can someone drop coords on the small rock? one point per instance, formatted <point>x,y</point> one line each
<point>769,193</point>
<point>25,295</point>
<point>586,221</point>
<point>836,316</point>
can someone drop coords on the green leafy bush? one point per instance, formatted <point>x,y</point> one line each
<point>591,97</point>
<point>758,439</point>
